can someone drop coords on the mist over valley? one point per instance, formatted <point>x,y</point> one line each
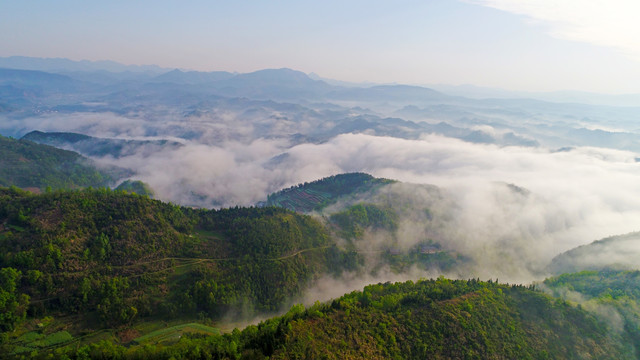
<point>307,190</point>
<point>444,179</point>
<point>221,139</point>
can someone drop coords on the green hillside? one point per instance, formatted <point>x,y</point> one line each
<point>621,252</point>
<point>320,193</point>
<point>99,147</point>
<point>97,259</point>
<point>381,220</point>
<point>137,187</point>
<point>98,273</point>
<point>611,293</point>
<point>29,165</point>
<point>430,319</point>
<point>366,210</point>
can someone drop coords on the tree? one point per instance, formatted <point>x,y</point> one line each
<point>13,306</point>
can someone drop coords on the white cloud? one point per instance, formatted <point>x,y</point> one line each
<point>610,23</point>
<point>576,196</point>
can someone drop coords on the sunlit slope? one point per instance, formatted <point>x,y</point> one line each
<point>451,320</point>
<point>115,258</point>
<point>430,319</point>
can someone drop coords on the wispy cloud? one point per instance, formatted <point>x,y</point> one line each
<point>610,23</point>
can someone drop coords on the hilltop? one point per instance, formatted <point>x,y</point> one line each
<point>137,187</point>
<point>369,217</point>
<point>622,252</point>
<point>318,194</point>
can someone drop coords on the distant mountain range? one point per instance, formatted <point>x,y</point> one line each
<point>33,93</point>
<point>66,65</point>
<point>111,71</point>
<point>567,96</point>
<point>383,110</point>
<point>91,272</point>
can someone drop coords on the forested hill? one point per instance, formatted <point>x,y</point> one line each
<point>320,193</point>
<point>137,187</point>
<point>614,293</point>
<point>115,258</point>
<point>29,165</point>
<point>81,271</point>
<point>92,146</point>
<point>430,319</point>
<point>621,252</point>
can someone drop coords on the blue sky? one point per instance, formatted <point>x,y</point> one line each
<point>537,45</point>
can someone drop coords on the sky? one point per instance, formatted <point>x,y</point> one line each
<point>532,45</point>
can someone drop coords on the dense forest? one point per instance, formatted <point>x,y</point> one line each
<point>114,258</point>
<point>612,293</point>
<point>318,194</point>
<point>364,206</point>
<point>357,222</point>
<point>101,273</point>
<point>429,319</point>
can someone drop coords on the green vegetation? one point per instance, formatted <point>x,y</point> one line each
<point>318,194</point>
<point>271,253</point>
<point>430,319</point>
<point>357,220</point>
<point>117,259</point>
<point>13,305</point>
<point>614,294</point>
<point>426,255</point>
<point>36,341</point>
<point>354,220</point>
<point>98,273</point>
<point>136,187</point>
<point>29,165</point>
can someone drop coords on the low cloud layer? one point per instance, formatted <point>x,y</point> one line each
<point>558,200</point>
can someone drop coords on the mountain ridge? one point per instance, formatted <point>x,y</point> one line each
<point>621,251</point>
<point>27,164</point>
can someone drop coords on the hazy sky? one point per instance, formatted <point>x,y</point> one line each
<point>589,45</point>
